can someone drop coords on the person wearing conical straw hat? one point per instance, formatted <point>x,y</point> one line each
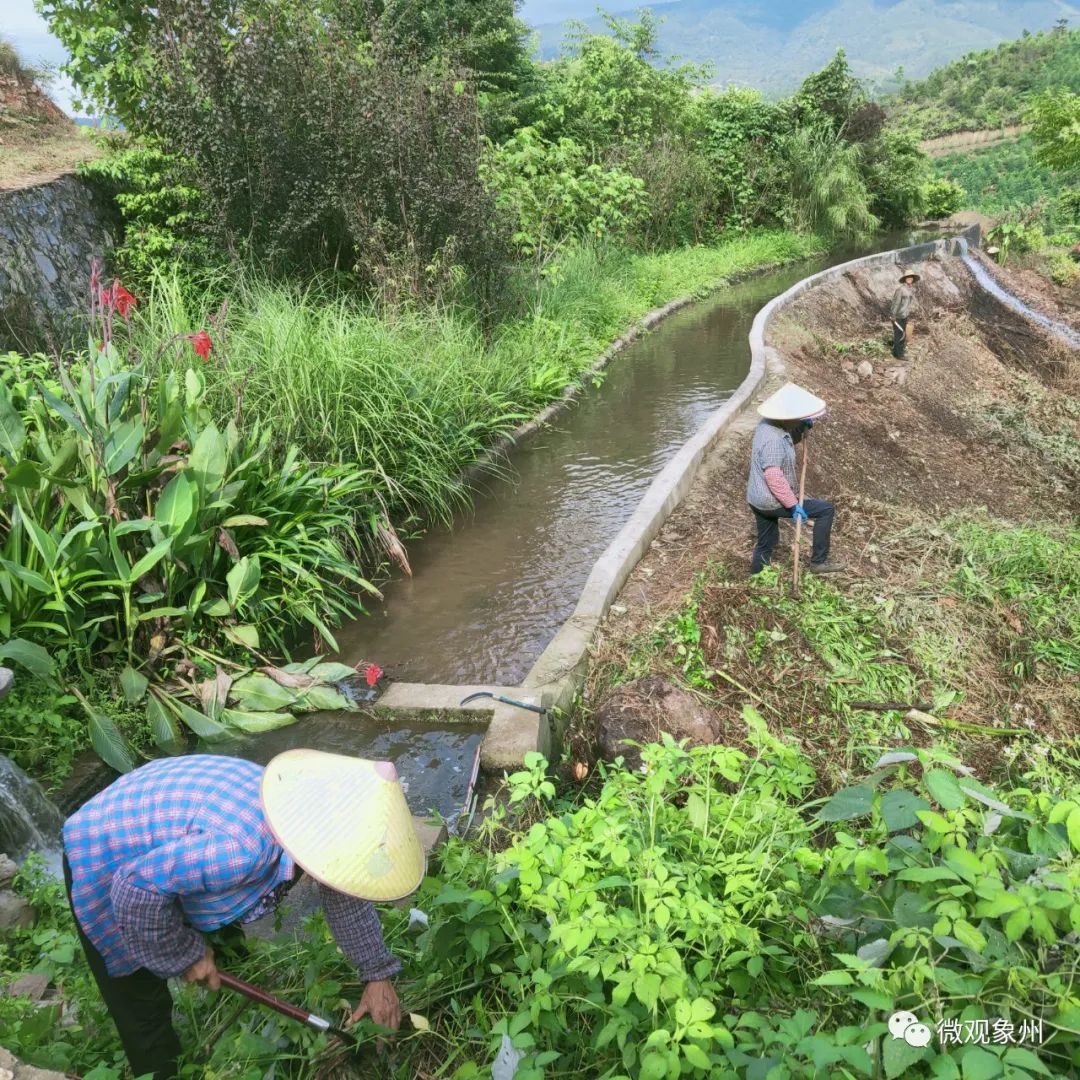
<point>188,845</point>
<point>786,417</point>
<point>900,312</point>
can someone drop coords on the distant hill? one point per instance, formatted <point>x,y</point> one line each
<point>774,44</point>
<point>989,89</point>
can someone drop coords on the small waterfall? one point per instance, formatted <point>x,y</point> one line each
<point>28,820</point>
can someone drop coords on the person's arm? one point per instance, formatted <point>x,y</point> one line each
<point>779,486</point>
<point>145,895</point>
<point>356,928</point>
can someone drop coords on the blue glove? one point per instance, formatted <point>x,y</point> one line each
<point>798,513</point>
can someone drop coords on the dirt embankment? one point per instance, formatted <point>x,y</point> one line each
<point>904,445</point>
<point>38,142</point>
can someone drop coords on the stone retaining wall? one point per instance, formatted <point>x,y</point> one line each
<point>48,235</point>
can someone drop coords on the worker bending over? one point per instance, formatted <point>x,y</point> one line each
<point>787,416</point>
<point>187,845</point>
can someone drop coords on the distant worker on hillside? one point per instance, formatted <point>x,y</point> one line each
<point>900,312</point>
<point>787,416</point>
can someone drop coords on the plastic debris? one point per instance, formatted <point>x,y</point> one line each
<point>417,919</point>
<point>506,1061</point>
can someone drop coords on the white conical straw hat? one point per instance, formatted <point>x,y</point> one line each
<point>791,402</point>
<point>345,822</point>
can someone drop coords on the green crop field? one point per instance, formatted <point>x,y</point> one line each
<point>1004,178</point>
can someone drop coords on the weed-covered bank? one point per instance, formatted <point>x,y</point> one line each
<point>705,916</point>
<point>413,395</point>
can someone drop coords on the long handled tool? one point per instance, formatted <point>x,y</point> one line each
<point>504,700</point>
<point>261,997</point>
<point>798,523</point>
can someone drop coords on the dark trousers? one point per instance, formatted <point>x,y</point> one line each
<point>818,511</point>
<point>141,1007</point>
<point>899,338</point>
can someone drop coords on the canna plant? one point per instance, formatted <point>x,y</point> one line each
<point>135,531</point>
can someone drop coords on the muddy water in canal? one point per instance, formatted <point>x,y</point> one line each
<point>488,595</point>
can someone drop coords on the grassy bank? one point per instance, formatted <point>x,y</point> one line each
<point>413,396</point>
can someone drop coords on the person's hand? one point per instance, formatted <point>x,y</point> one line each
<point>808,423</point>
<point>204,970</point>
<point>380,1002</point>
<point>798,513</point>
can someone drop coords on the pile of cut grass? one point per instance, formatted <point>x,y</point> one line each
<point>416,395</point>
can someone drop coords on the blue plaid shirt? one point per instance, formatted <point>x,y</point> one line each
<point>181,845</point>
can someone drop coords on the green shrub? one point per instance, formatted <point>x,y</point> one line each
<point>554,195</point>
<point>1064,270</point>
<point>942,198</point>
<point>163,214</point>
<point>693,919</point>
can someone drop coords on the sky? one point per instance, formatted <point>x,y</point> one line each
<point>26,30</point>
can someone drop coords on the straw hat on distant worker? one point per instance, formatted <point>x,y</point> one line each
<point>770,491</point>
<point>345,821</point>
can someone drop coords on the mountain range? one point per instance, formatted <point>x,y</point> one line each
<point>774,44</point>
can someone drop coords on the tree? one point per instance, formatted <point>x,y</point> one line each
<point>112,43</point>
<point>1055,120</point>
<point>607,92</point>
<point>826,190</point>
<point>830,96</point>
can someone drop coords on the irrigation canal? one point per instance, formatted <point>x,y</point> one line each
<point>487,595</point>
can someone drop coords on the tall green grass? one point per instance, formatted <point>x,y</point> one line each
<point>416,395</point>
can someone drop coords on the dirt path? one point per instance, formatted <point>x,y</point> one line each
<point>969,140</point>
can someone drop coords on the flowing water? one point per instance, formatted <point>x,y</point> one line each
<point>435,763</point>
<point>28,820</point>
<point>487,595</point>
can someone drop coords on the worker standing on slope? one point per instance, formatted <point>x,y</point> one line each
<point>900,312</point>
<point>787,416</point>
<point>188,845</point>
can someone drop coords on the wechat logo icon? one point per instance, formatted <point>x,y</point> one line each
<point>907,1026</point>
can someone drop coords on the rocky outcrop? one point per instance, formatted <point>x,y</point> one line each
<point>49,233</point>
<point>15,912</point>
<point>639,711</point>
<point>13,1069</point>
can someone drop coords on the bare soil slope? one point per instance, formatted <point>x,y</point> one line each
<point>984,413</point>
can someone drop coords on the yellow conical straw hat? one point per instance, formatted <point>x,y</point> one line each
<point>345,822</point>
<point>792,402</point>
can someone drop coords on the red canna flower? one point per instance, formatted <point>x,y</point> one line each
<point>373,674</point>
<point>201,343</point>
<point>123,300</point>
